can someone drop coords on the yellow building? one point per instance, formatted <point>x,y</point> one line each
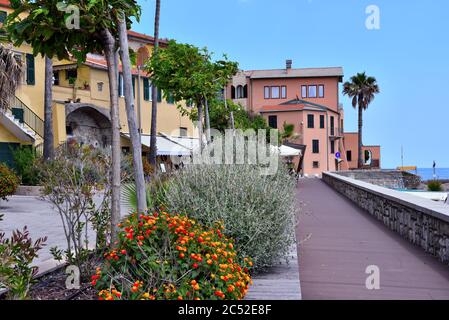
<point>81,106</point>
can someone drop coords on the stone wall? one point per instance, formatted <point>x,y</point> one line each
<point>423,222</point>
<point>394,179</point>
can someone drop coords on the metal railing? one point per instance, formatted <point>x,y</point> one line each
<point>336,132</point>
<point>31,119</point>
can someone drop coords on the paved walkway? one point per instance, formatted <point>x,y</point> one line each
<point>342,240</point>
<point>41,219</point>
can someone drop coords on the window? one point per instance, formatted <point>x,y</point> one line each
<point>100,86</point>
<point>170,99</point>
<point>316,164</point>
<point>273,122</point>
<point>284,92</point>
<point>304,91</point>
<point>232,92</point>
<point>3,15</point>
<point>159,95</point>
<point>266,93</point>
<point>321,91</point>
<point>183,132</point>
<point>146,89</point>
<point>31,78</point>
<point>332,146</point>
<point>71,74</point>
<point>275,93</point>
<point>312,92</point>
<point>316,146</point>
<point>310,121</point>
<point>245,91</point>
<point>56,78</point>
<point>239,92</point>
<point>349,155</point>
<point>322,121</point>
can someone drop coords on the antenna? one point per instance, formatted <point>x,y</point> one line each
<point>402,156</point>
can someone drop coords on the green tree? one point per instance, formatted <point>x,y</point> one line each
<point>362,89</point>
<point>46,26</point>
<point>188,73</point>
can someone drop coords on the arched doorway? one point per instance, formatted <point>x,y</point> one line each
<point>88,125</point>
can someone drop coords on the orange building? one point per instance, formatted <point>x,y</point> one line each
<point>308,98</point>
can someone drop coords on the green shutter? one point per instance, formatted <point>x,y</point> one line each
<point>170,99</point>
<point>134,86</point>
<point>146,89</point>
<point>31,79</point>
<point>3,15</point>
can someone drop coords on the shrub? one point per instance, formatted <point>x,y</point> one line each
<point>70,182</point>
<point>163,256</point>
<point>25,159</point>
<point>435,185</point>
<point>257,211</point>
<point>8,182</point>
<point>16,256</point>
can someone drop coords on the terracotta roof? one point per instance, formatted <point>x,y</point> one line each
<point>296,73</point>
<point>145,37</point>
<point>4,3</point>
<point>295,105</point>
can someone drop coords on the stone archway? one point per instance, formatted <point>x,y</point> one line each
<point>89,125</point>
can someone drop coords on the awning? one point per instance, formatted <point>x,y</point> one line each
<point>165,147</point>
<point>286,151</point>
<point>70,66</point>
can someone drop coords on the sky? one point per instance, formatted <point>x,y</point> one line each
<point>408,54</point>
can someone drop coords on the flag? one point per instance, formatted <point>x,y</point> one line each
<point>434,164</point>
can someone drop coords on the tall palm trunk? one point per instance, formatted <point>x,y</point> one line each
<point>153,147</point>
<point>131,115</point>
<point>48,117</point>
<point>360,164</point>
<point>109,51</point>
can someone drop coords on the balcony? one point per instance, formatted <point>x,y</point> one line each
<point>335,133</point>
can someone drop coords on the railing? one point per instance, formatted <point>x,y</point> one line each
<point>336,132</point>
<point>31,119</point>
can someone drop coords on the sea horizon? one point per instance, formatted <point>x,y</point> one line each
<point>427,173</point>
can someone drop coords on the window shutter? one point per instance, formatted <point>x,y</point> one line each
<point>159,95</point>
<point>146,89</point>
<point>31,79</point>
<point>245,91</point>
<point>134,86</point>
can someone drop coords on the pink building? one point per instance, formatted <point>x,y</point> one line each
<point>308,98</point>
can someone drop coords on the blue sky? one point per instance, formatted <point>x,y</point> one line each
<point>409,56</point>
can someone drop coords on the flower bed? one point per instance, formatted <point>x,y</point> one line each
<point>163,256</point>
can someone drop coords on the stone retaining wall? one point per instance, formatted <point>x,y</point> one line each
<point>423,222</point>
<point>394,179</point>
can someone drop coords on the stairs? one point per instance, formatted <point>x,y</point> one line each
<point>8,114</point>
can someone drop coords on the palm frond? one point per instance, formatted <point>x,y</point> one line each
<point>10,76</point>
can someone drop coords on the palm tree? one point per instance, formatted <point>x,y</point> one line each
<point>153,147</point>
<point>288,133</point>
<point>362,90</point>
<point>10,76</point>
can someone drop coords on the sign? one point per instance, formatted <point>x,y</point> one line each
<point>338,155</point>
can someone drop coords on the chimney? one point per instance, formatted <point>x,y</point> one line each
<point>288,64</point>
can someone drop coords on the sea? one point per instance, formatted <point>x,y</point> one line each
<point>427,173</point>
